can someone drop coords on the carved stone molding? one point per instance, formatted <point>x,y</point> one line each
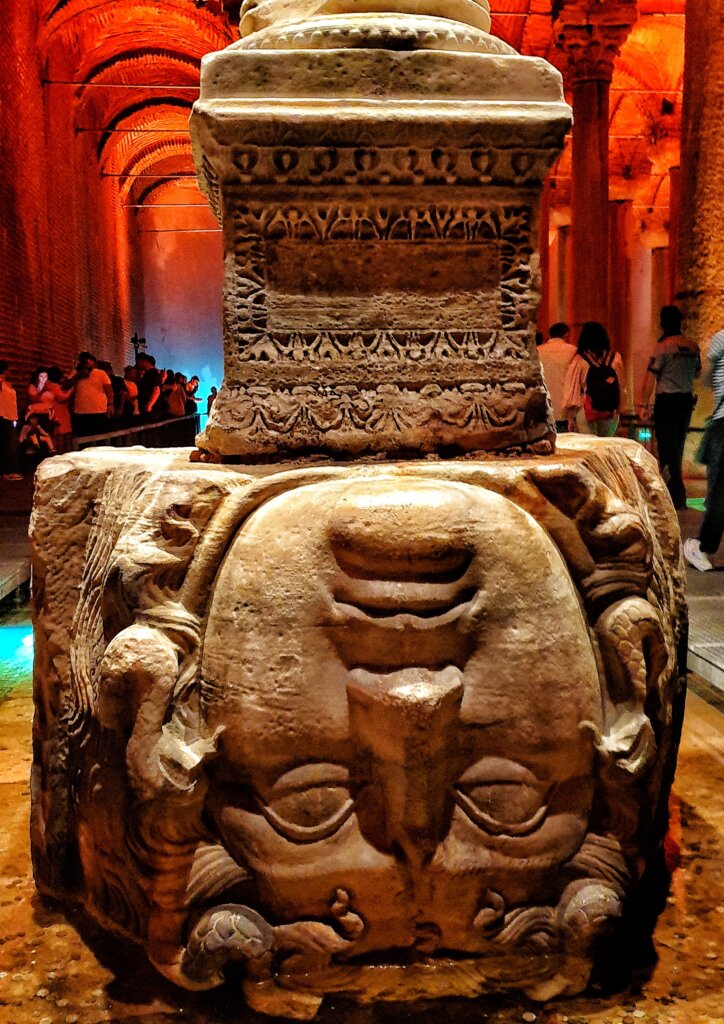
<point>591,33</point>
<point>382,267</point>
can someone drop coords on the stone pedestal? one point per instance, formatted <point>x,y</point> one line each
<point>378,180</point>
<point>391,731</point>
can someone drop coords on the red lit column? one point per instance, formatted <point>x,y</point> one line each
<point>701,238</point>
<point>591,34</point>
<point>543,321</point>
<point>619,277</point>
<point>674,221</point>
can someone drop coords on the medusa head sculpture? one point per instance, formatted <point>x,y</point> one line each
<point>387,732</point>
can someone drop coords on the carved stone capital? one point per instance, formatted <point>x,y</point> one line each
<point>591,34</point>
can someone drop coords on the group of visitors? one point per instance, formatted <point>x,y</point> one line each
<point>586,385</point>
<point>585,381</point>
<point>88,401</point>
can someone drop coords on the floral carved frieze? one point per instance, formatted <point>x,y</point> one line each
<point>391,165</point>
<point>379,298</point>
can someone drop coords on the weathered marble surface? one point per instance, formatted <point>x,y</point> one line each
<point>377,170</point>
<point>390,731</point>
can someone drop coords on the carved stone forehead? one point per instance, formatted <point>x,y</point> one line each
<point>386,576</point>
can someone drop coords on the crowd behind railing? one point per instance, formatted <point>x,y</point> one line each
<point>62,411</point>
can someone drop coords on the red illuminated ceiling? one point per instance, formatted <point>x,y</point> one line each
<point>126,72</point>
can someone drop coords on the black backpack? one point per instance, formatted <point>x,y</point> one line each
<point>603,391</point>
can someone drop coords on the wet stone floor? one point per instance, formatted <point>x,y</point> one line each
<point>55,968</point>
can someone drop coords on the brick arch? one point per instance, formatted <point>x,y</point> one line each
<point>148,106</point>
<point>164,158</point>
<point>159,190</point>
<point>84,35</point>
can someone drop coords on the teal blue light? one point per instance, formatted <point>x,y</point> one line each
<point>16,658</point>
<point>644,434</point>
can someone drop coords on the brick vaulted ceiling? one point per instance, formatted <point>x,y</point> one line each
<point>132,70</point>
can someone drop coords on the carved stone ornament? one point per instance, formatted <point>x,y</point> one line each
<point>377,166</point>
<point>591,33</point>
<point>390,731</point>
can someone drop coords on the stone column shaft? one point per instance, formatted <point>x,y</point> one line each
<point>544,309</point>
<point>619,277</point>
<point>701,253</point>
<point>674,229</point>
<point>591,34</point>
<point>589,200</point>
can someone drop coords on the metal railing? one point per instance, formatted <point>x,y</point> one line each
<point>179,432</point>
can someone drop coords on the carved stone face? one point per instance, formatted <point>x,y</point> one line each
<point>401,672</point>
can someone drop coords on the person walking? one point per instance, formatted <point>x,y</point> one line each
<point>672,369</point>
<point>697,550</point>
<point>593,396</point>
<point>8,423</point>
<point>555,356</point>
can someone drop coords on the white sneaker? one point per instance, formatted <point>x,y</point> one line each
<point>695,556</point>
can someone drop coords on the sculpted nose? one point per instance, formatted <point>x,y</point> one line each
<point>404,724</point>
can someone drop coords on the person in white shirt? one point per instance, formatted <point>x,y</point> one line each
<point>555,356</point>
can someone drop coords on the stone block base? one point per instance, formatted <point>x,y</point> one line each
<point>392,730</point>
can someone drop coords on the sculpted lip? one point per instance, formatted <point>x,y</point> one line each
<point>427,584</point>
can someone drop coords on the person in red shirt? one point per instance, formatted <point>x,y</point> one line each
<point>61,391</point>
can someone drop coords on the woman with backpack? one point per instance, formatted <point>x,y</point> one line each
<point>593,394</point>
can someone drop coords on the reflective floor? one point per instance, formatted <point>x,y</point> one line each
<point>56,968</point>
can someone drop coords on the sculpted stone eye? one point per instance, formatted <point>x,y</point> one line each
<point>502,798</point>
<point>308,803</point>
<point>503,809</point>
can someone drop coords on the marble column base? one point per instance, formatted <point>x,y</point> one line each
<point>396,730</point>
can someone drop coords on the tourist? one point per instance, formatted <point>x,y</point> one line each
<point>555,356</point>
<point>120,395</point>
<point>35,442</point>
<point>8,424</point>
<point>40,401</point>
<point>61,391</point>
<point>93,399</point>
<point>593,395</point>
<point>192,401</point>
<point>149,388</point>
<point>175,396</point>
<point>697,551</point>
<point>211,399</point>
<point>130,376</point>
<point>672,369</point>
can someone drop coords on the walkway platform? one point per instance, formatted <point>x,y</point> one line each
<point>705,596</point>
<point>15,503</point>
